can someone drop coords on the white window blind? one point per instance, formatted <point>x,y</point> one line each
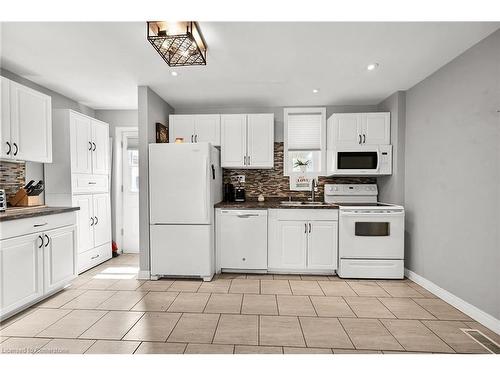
<point>304,131</point>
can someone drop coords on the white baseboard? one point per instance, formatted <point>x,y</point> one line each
<point>144,275</point>
<point>482,317</point>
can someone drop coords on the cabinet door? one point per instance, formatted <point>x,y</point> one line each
<point>377,128</point>
<point>100,147</point>
<point>322,245</point>
<point>6,146</point>
<point>85,221</point>
<point>289,252</point>
<point>344,129</point>
<point>182,126</point>
<point>81,143</point>
<point>59,258</point>
<point>102,217</point>
<point>31,124</point>
<point>233,141</point>
<point>21,273</point>
<point>207,129</point>
<point>261,140</point>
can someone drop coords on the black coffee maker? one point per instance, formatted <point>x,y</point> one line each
<point>239,194</point>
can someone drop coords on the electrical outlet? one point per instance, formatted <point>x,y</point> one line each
<point>239,178</point>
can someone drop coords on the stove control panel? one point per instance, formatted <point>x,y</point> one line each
<point>351,189</point>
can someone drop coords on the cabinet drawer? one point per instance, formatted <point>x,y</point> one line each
<point>93,257</point>
<point>89,183</point>
<point>371,268</point>
<point>21,227</point>
<point>305,214</point>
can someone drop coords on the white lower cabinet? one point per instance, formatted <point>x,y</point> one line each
<point>35,265</point>
<point>94,229</point>
<point>21,269</point>
<point>59,263</point>
<point>303,240</point>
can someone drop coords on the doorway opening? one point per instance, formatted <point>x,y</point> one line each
<point>127,190</point>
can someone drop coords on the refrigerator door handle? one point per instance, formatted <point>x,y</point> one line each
<point>213,172</point>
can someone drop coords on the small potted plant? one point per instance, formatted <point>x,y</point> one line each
<point>301,164</point>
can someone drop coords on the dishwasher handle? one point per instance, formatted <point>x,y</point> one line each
<point>244,216</point>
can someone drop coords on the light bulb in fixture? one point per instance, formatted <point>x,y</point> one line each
<point>174,74</point>
<point>315,91</point>
<point>372,66</point>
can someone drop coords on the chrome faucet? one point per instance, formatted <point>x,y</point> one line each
<point>313,189</point>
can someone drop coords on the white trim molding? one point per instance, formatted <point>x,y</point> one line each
<point>482,317</point>
<point>144,275</point>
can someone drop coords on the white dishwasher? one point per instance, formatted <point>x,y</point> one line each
<point>242,239</point>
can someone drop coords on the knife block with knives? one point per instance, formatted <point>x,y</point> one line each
<point>28,195</point>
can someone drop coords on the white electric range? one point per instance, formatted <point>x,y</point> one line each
<point>371,234</point>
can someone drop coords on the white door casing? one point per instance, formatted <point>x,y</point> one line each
<point>130,197</point>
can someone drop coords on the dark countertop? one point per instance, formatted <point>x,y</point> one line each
<point>14,213</point>
<point>269,203</point>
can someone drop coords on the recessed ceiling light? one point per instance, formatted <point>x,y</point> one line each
<point>372,66</point>
<point>175,74</point>
<point>315,91</point>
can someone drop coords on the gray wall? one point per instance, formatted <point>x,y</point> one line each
<point>34,171</point>
<point>391,188</point>
<point>151,109</point>
<point>117,118</point>
<point>452,184</point>
<point>278,113</point>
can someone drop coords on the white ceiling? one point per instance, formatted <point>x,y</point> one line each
<point>249,64</point>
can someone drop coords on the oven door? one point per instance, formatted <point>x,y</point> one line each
<point>371,234</point>
<point>356,161</point>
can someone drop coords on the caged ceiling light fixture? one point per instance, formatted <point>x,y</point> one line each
<point>178,43</point>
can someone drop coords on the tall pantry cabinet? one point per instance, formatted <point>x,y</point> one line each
<point>79,176</point>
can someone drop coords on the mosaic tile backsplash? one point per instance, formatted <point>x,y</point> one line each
<point>12,177</point>
<point>272,184</point>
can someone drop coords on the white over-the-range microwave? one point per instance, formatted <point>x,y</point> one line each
<point>366,160</point>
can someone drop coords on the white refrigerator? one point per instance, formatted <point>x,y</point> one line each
<point>185,181</point>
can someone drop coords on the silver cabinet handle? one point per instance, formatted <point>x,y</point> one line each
<point>95,257</point>
<point>244,216</point>
<point>192,138</point>
<point>305,227</point>
<point>364,138</point>
<point>310,227</point>
<point>39,225</point>
<point>92,183</point>
<point>359,138</point>
<point>196,138</point>
<point>248,159</point>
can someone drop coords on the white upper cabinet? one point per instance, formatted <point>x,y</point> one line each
<point>207,129</point>
<point>6,146</point>
<point>247,141</point>
<point>89,145</point>
<point>81,144</point>
<point>344,129</point>
<point>357,129</point>
<point>260,133</point>
<point>182,126</point>
<point>195,128</point>
<point>233,141</point>
<point>26,127</point>
<point>377,128</point>
<point>100,147</point>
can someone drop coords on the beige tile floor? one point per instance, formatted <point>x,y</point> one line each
<point>107,310</point>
